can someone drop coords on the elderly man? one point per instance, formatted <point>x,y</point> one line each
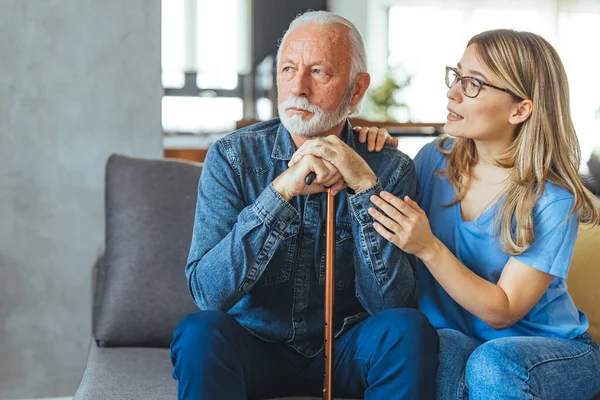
<point>256,263</point>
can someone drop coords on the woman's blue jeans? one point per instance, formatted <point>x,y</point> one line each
<point>517,368</point>
<point>390,355</point>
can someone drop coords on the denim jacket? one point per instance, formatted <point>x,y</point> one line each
<point>261,259</point>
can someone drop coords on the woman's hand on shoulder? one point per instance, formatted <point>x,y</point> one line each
<point>375,137</point>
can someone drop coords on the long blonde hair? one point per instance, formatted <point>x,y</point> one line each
<point>545,147</point>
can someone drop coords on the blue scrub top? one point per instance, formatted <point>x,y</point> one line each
<point>475,245</point>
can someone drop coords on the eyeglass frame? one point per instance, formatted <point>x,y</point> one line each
<point>460,77</point>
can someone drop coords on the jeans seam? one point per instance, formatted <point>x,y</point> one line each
<point>528,391</point>
<point>590,350</point>
<point>462,384</point>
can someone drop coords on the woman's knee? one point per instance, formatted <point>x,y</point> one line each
<point>452,335</point>
<point>490,366</point>
<point>456,347</point>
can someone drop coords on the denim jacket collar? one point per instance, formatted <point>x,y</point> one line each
<point>284,147</point>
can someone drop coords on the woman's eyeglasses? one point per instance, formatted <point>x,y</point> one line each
<point>470,86</point>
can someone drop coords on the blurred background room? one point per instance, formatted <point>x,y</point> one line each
<point>83,79</point>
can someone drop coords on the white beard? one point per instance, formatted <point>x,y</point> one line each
<point>321,121</point>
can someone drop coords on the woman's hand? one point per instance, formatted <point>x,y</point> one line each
<point>407,225</point>
<point>376,137</point>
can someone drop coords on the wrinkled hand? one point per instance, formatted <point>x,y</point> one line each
<point>375,137</point>
<point>292,182</point>
<point>407,225</point>
<point>354,169</point>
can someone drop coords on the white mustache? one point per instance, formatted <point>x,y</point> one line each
<point>300,103</point>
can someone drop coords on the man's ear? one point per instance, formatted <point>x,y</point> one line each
<point>521,112</point>
<point>361,84</point>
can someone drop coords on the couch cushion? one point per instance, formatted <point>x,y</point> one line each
<point>132,374</point>
<point>584,277</point>
<point>141,292</point>
<point>127,373</point>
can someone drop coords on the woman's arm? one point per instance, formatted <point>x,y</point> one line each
<point>499,305</point>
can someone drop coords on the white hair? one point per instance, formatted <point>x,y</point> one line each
<point>359,52</point>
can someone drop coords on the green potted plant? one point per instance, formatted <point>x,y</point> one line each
<point>383,100</point>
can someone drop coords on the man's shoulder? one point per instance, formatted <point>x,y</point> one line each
<point>256,132</point>
<point>248,147</point>
<point>388,164</point>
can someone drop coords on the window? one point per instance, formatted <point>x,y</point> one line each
<point>426,35</point>
<point>424,59</point>
<point>205,52</point>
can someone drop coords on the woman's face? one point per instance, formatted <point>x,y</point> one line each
<point>485,117</point>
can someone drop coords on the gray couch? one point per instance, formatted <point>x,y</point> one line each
<point>140,292</point>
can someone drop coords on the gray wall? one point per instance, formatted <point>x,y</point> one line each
<point>79,79</point>
<point>271,18</point>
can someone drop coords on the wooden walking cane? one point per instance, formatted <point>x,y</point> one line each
<point>329,290</point>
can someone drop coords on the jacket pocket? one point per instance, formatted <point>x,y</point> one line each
<point>344,258</point>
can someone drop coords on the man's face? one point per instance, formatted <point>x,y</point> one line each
<point>313,78</point>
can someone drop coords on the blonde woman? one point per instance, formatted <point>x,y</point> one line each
<point>499,207</point>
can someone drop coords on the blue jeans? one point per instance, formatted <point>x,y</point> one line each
<point>522,367</point>
<point>390,355</point>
